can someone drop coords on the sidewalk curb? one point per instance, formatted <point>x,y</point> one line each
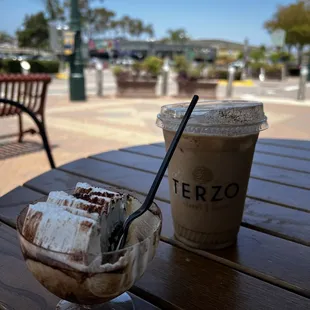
<point>304,103</point>
<point>245,83</point>
<point>62,76</point>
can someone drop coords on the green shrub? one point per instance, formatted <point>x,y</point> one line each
<point>258,54</point>
<point>223,75</point>
<point>11,66</point>
<point>186,70</point>
<point>257,65</point>
<point>277,57</point>
<point>117,70</point>
<point>122,73</point>
<point>267,67</point>
<point>194,73</point>
<point>271,71</point>
<point>181,64</point>
<point>51,66</point>
<point>44,66</point>
<point>273,68</point>
<point>137,67</point>
<point>37,66</point>
<point>153,65</point>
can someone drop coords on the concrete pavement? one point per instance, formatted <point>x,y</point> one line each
<point>78,130</point>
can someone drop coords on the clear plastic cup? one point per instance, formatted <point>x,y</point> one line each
<point>209,171</point>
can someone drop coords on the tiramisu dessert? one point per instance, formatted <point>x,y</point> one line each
<point>81,223</point>
<point>67,242</point>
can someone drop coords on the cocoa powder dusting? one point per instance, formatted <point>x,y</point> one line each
<point>78,256</point>
<point>85,226</point>
<point>30,231</point>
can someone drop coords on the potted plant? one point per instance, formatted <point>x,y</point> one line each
<point>139,80</point>
<point>223,74</point>
<point>272,71</point>
<point>191,80</point>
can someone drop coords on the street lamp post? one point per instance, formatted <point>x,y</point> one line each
<point>77,81</point>
<point>151,51</point>
<point>307,3</point>
<point>231,75</point>
<point>245,72</point>
<point>60,29</point>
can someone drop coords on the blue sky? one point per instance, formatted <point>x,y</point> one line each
<point>211,19</point>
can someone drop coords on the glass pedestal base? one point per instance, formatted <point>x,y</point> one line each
<point>3,306</point>
<point>122,302</point>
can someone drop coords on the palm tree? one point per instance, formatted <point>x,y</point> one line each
<point>178,35</point>
<point>132,29</point>
<point>5,37</point>
<point>54,9</point>
<point>115,27</point>
<point>136,28</point>
<point>139,28</point>
<point>149,30</point>
<point>124,25</point>
<point>102,19</point>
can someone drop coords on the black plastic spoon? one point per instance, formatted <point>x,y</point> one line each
<point>121,236</point>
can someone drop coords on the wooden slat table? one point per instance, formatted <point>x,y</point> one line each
<point>268,268</point>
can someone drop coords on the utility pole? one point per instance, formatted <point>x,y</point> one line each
<point>231,76</point>
<point>245,73</point>
<point>307,2</point>
<point>77,80</point>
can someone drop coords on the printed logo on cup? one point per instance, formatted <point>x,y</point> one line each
<point>212,193</point>
<point>202,174</point>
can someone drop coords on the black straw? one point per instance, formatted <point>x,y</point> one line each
<point>161,172</point>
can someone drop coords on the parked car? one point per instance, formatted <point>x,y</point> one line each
<point>125,61</point>
<point>46,58</point>
<point>92,62</point>
<point>239,64</point>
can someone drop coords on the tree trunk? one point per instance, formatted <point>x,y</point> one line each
<point>299,51</point>
<point>289,48</point>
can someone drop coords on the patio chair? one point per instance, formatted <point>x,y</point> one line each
<point>9,107</point>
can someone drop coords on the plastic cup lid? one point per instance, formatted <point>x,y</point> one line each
<point>216,118</point>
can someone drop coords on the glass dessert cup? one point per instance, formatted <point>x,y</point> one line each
<point>4,306</point>
<point>102,283</point>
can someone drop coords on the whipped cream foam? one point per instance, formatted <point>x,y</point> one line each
<point>115,209</point>
<point>57,229</point>
<point>80,224</point>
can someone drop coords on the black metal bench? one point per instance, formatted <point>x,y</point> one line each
<point>26,94</point>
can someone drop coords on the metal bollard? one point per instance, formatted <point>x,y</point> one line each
<point>25,66</point>
<point>301,95</point>
<point>283,72</point>
<point>231,76</point>
<point>165,73</point>
<point>99,78</point>
<point>262,78</point>
<point>262,75</point>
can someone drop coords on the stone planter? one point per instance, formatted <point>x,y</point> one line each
<point>269,75</point>
<point>136,89</point>
<point>274,75</point>
<point>204,89</point>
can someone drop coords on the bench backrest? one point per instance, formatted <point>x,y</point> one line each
<point>29,90</point>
